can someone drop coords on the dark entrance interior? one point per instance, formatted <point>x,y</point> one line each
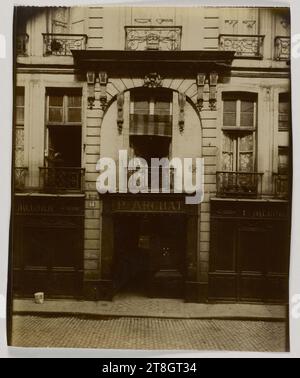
<point>149,255</point>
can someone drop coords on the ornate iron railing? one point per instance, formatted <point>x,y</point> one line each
<point>153,38</point>
<point>20,178</point>
<point>281,186</point>
<point>245,46</point>
<point>283,48</point>
<point>62,179</point>
<point>63,44</point>
<point>239,184</point>
<point>22,44</point>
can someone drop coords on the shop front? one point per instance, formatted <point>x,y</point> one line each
<point>149,246</point>
<point>48,248</point>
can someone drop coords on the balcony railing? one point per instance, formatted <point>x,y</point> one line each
<point>62,179</point>
<point>281,186</point>
<point>20,178</point>
<point>245,46</point>
<point>22,44</point>
<point>239,184</point>
<point>153,38</point>
<point>63,44</point>
<point>282,48</point>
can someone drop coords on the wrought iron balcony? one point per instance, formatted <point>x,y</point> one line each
<point>153,38</point>
<point>20,178</point>
<point>62,179</point>
<point>245,46</point>
<point>63,44</point>
<point>282,48</point>
<point>22,44</point>
<point>239,184</point>
<point>281,186</point>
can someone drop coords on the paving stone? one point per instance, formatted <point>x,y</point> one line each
<point>149,334</point>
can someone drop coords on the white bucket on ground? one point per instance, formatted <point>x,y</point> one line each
<point>39,298</point>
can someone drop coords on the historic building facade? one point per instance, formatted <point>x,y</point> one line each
<point>156,82</point>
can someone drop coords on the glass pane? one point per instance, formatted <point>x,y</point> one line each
<point>162,108</point>
<point>20,100</point>
<point>283,160</point>
<point>74,101</point>
<point>55,115</point>
<point>74,115</point>
<point>284,107</point>
<point>141,107</point>
<point>229,119</point>
<point>228,143</point>
<point>247,106</point>
<point>20,115</point>
<point>247,119</point>
<point>246,162</point>
<point>230,106</point>
<point>56,100</point>
<point>227,161</point>
<point>246,143</point>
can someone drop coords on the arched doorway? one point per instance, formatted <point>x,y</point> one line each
<point>150,241</point>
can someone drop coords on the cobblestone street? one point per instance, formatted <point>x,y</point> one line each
<point>149,333</point>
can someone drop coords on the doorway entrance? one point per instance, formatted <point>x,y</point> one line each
<point>149,255</point>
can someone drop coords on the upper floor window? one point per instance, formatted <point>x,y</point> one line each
<point>284,112</point>
<point>239,111</point>
<point>151,113</point>
<point>64,107</point>
<point>19,130</point>
<point>20,106</point>
<point>239,138</point>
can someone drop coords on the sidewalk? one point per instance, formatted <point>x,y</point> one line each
<point>151,308</point>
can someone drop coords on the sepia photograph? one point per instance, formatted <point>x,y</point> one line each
<point>152,178</point>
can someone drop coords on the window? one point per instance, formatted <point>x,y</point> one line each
<point>284,112</point>
<point>239,111</point>
<point>283,160</point>
<point>151,113</point>
<point>64,139</point>
<point>64,107</point>
<point>19,130</point>
<point>239,125</point>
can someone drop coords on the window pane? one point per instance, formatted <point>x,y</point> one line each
<point>74,115</point>
<point>20,99</point>
<point>229,119</point>
<point>56,100</point>
<point>247,143</point>
<point>284,107</point>
<point>229,116</point>
<point>283,160</point>
<point>230,106</point>
<point>20,115</point>
<point>246,162</point>
<point>74,101</point>
<point>284,113</point>
<point>247,114</point>
<point>246,153</point>
<point>228,143</point>
<point>56,115</point>
<point>247,106</point>
<point>141,107</point>
<point>162,108</point>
